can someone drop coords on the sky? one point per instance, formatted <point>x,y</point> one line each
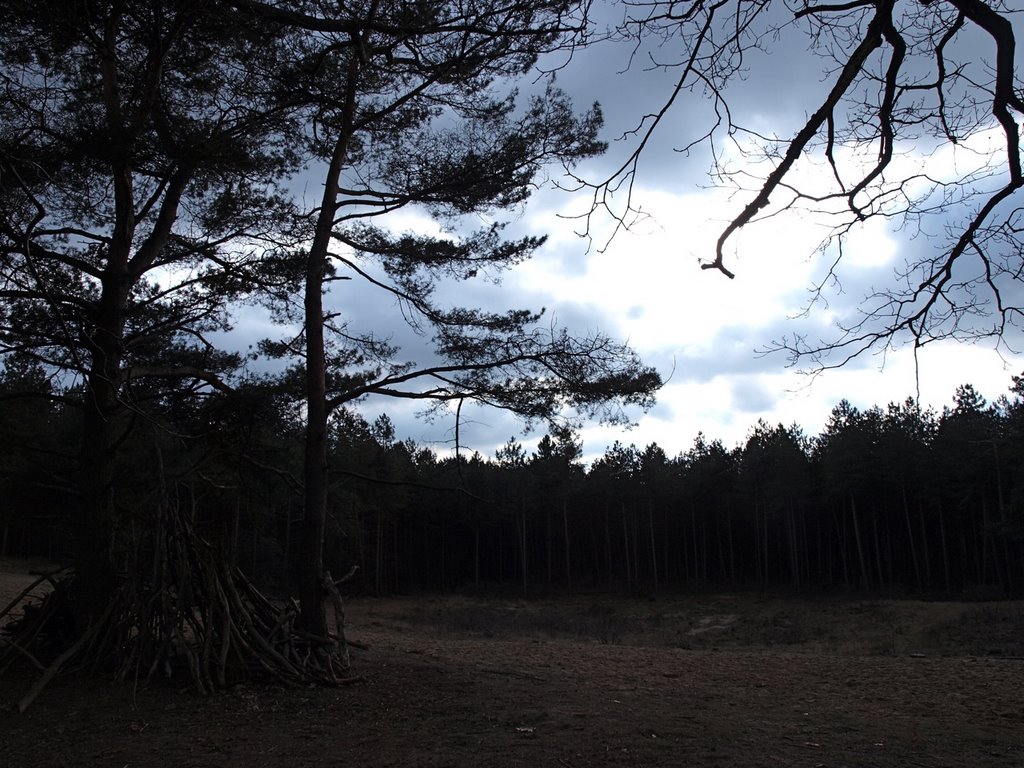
<point>702,331</point>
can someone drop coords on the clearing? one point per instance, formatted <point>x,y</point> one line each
<point>727,680</point>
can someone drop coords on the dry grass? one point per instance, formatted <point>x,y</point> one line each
<point>740,621</point>
<point>737,680</point>
<point>839,625</point>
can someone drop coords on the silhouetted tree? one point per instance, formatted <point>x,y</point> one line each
<point>903,83</point>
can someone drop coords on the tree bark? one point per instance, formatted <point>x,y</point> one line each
<point>866,579</point>
<point>625,546</point>
<point>945,549</point>
<point>311,596</point>
<point>654,551</point>
<point>568,558</point>
<point>522,543</point>
<point>925,549</point>
<point>910,538</point>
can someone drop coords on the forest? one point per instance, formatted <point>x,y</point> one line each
<point>895,500</point>
<point>167,166</point>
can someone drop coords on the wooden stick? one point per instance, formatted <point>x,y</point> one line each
<point>54,668</point>
<point>44,577</point>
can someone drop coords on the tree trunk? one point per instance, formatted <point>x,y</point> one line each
<point>794,548</point>
<point>910,538</point>
<point>758,564</point>
<point>665,559</point>
<point>104,426</point>
<point>635,525</point>
<point>378,570</point>
<point>444,557</point>
<point>684,548</point>
<point>654,551</point>
<point>696,554</point>
<point>878,550</point>
<point>607,544</point>
<point>548,545</point>
<point>860,546</point>
<point>311,596</point>
<point>501,555</point>
<point>732,546</point>
<point>926,556</point>
<point>844,549</point>
<point>568,558</point>
<point>625,546</point>
<point>395,560</point>
<point>522,543</point>
<point>945,548</point>
<point>476,554</point>
<point>764,541</point>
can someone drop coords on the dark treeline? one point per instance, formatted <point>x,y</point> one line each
<point>896,498</point>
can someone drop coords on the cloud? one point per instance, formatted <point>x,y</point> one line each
<point>751,395</point>
<point>699,328</point>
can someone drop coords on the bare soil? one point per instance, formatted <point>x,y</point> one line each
<point>582,680</point>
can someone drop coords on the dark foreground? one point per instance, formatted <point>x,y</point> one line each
<point>451,682</point>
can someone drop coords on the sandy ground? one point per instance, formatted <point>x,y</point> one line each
<point>584,680</point>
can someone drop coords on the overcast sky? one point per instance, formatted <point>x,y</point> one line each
<point>700,329</point>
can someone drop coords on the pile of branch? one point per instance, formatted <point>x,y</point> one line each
<point>178,605</point>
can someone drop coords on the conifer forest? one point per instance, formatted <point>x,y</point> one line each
<point>896,500</point>
<point>176,175</point>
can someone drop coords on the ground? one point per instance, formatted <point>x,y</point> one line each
<point>741,679</point>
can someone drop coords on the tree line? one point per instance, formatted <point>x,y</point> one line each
<point>899,499</point>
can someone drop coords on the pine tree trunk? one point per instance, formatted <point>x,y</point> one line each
<point>764,541</point>
<point>794,550</point>
<point>378,570</point>
<point>522,545</point>
<point>910,538</point>
<point>665,551</point>
<point>945,549</point>
<point>607,544</point>
<point>654,551</point>
<point>311,547</point>
<point>719,545</point>
<point>501,555</point>
<point>732,546</point>
<point>625,547</point>
<point>312,611</point>
<point>568,559</point>
<point>926,557</point>
<point>395,561</point>
<point>866,583</point>
<point>696,555</point>
<point>547,540</point>
<point>758,565</point>
<point>102,429</point>
<point>878,550</point>
<point>476,555</point>
<point>844,548</point>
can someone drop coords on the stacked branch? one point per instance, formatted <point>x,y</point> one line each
<point>179,607</point>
